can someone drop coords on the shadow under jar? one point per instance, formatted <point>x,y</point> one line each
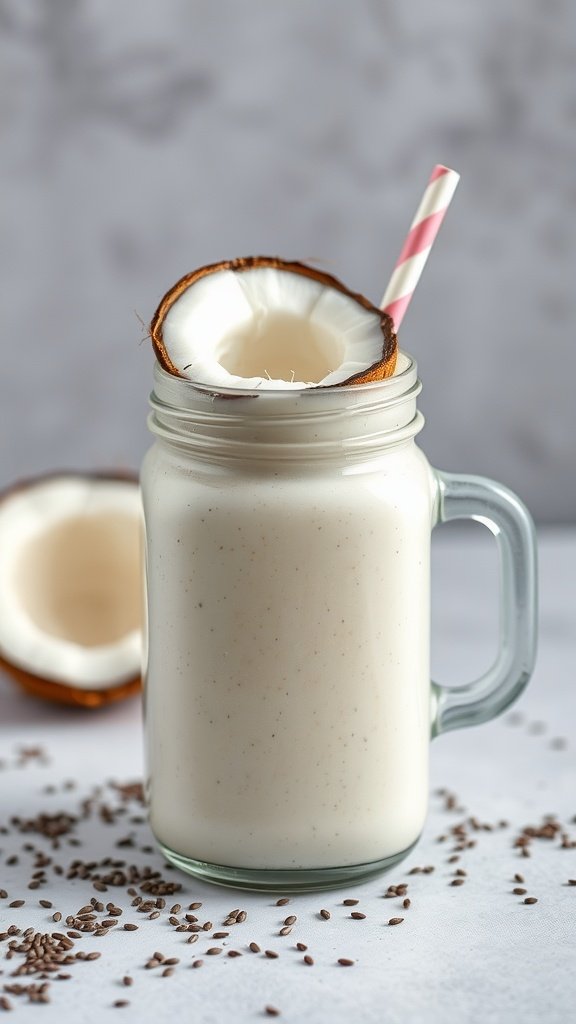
<point>288,703</point>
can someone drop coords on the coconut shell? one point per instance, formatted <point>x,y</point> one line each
<point>379,370</point>
<point>63,693</point>
<point>49,689</point>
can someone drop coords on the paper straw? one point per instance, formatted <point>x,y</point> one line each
<point>419,241</point>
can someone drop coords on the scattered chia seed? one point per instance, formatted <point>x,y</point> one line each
<point>49,955</point>
<point>514,718</point>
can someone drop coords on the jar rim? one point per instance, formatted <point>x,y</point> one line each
<point>187,386</point>
<point>287,424</point>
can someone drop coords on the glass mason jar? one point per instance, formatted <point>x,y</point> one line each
<point>288,703</point>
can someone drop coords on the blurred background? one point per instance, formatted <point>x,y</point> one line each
<point>140,140</point>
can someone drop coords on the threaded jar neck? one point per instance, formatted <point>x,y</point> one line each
<point>351,423</point>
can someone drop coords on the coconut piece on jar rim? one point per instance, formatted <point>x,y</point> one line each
<point>264,323</point>
<point>71,586</point>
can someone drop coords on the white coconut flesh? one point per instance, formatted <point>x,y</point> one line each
<point>71,580</point>
<point>269,328</point>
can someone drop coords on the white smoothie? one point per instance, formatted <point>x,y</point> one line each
<point>287,700</point>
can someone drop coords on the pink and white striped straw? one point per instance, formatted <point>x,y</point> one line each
<point>419,241</point>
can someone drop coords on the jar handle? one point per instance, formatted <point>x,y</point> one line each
<point>490,503</point>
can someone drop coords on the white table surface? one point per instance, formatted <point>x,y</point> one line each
<point>465,954</point>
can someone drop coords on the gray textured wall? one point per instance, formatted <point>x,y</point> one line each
<point>141,139</point>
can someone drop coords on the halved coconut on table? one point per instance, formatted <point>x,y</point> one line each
<point>71,586</point>
<point>263,322</point>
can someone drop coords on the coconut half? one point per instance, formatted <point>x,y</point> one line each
<point>263,322</point>
<point>71,586</point>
